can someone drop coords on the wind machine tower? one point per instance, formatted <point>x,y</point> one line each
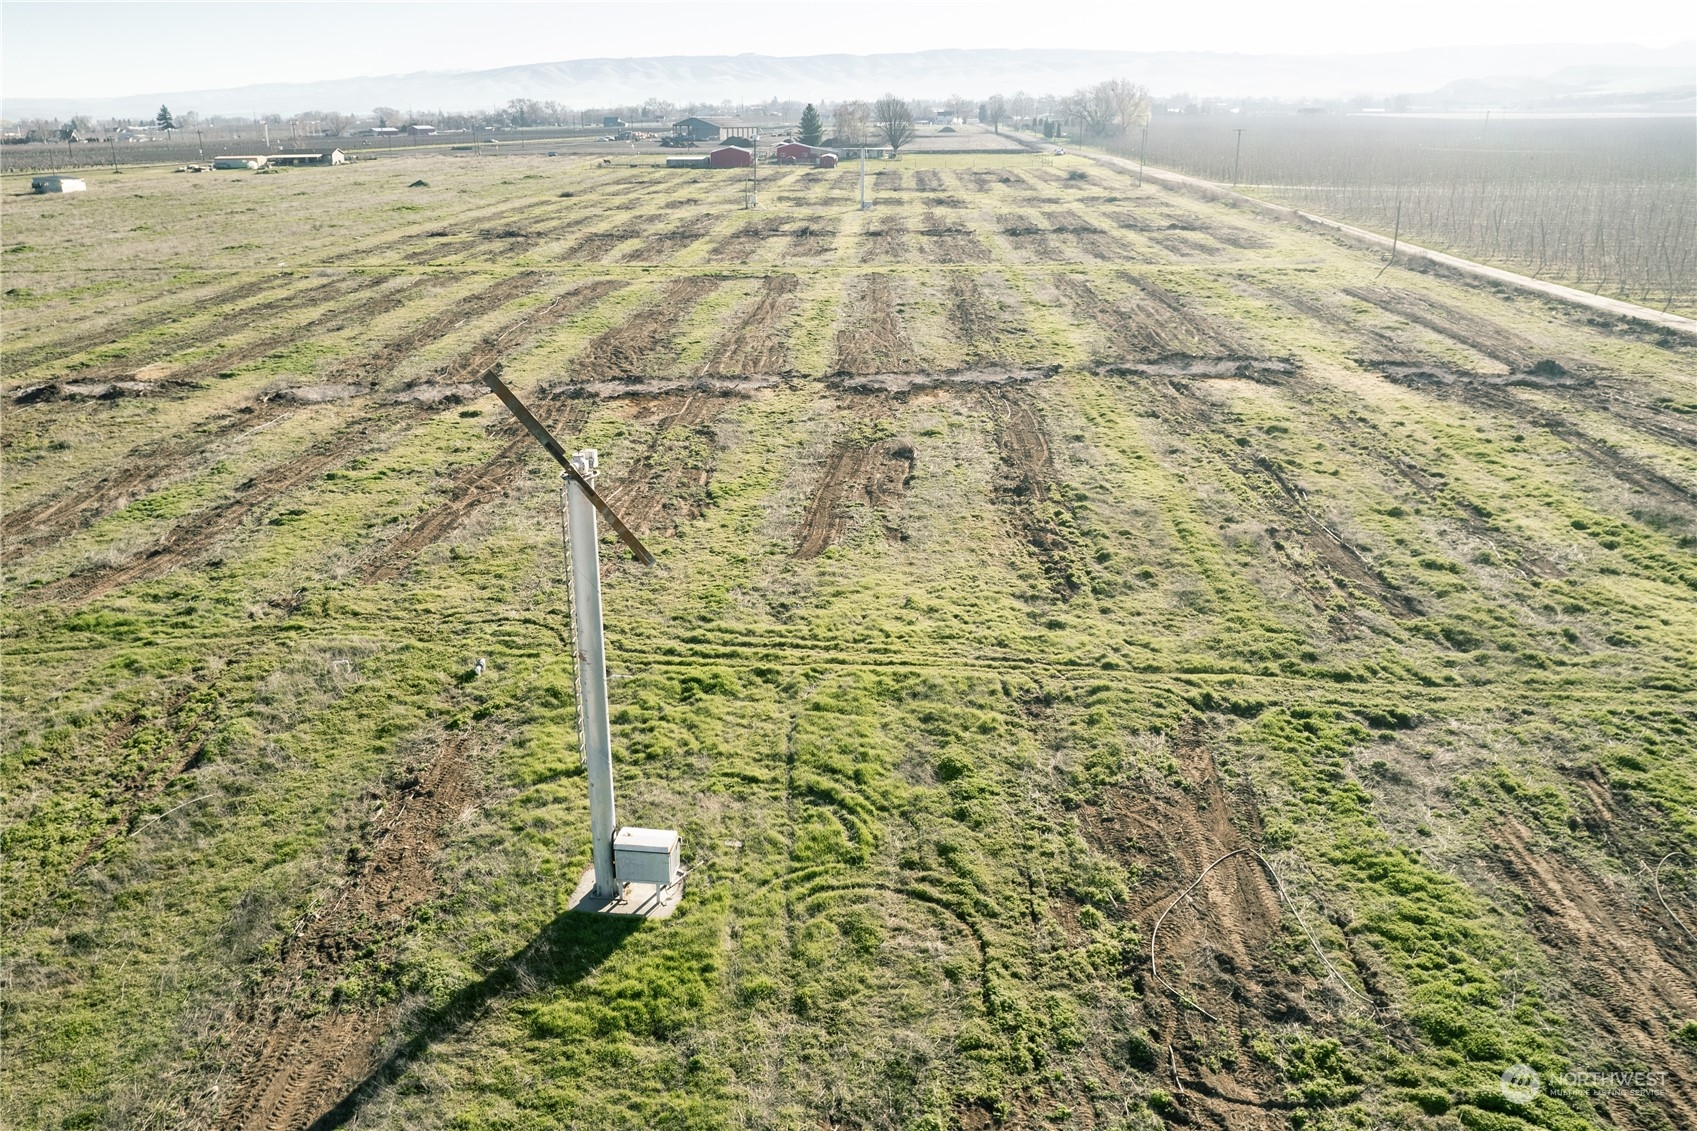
<point>632,871</point>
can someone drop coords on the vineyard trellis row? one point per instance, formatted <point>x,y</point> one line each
<point>1606,205</point>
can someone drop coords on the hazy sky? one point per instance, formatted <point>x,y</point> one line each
<point>95,49</point>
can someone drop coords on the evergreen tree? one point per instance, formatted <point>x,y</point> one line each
<point>812,129</point>
<point>164,119</point>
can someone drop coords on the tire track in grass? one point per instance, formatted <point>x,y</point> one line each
<point>301,1057</point>
<point>146,468</point>
<point>866,466</point>
<point>201,531</point>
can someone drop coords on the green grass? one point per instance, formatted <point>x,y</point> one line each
<point>932,802</point>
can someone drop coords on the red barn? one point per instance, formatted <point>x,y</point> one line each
<point>792,151</point>
<point>730,157</point>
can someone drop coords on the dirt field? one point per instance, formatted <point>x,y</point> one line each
<point>1114,661</point>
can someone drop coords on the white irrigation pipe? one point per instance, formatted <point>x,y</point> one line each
<point>1656,881</point>
<point>1279,887</point>
<point>169,811</point>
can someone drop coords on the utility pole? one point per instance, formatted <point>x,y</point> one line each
<point>754,169</point>
<point>1142,152</point>
<point>114,140</point>
<point>1236,157</point>
<point>863,205</point>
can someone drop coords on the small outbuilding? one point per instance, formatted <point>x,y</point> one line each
<point>731,157</point>
<point>239,161</point>
<point>418,129</point>
<point>333,157</point>
<point>687,163</point>
<point>612,122</point>
<point>800,153</point>
<point>827,161</point>
<point>53,182</point>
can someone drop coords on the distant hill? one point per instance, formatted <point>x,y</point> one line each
<point>747,78</point>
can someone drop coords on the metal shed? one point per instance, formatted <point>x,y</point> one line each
<point>730,157</point>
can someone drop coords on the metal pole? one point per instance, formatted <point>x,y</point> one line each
<point>1236,156</point>
<point>863,204</point>
<point>591,670</point>
<point>1142,153</point>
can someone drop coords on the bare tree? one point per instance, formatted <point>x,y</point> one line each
<point>334,122</point>
<point>1022,105</point>
<point>995,109</point>
<point>1111,108</point>
<point>959,107</point>
<point>851,121</point>
<point>385,115</point>
<point>893,121</point>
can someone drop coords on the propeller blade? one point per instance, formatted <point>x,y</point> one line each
<point>539,430</point>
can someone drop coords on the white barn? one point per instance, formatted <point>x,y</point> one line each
<point>53,182</point>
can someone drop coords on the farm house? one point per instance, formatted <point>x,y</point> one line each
<point>239,161</point>
<point>53,182</point>
<point>331,157</point>
<point>730,157</point>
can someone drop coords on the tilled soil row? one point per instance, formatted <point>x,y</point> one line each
<point>199,532</point>
<point>1158,319</point>
<point>503,217</point>
<point>472,488</point>
<point>1029,239</point>
<point>1574,381</point>
<point>1092,240</point>
<point>1144,326</point>
<point>231,322</point>
<point>1222,947</point>
<point>859,469</point>
<point>666,485</point>
<point>757,346</point>
<point>146,468</point>
<point>627,352</point>
<point>299,1058</point>
<point>1625,979</point>
<point>662,481</point>
<point>1025,489</point>
<point>595,245</point>
<point>187,376</point>
<point>663,246</point>
<point>884,241</point>
<point>949,242</point>
<point>872,340</point>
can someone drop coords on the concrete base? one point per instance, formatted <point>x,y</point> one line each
<point>641,901</point>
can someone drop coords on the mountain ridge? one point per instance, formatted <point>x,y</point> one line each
<point>932,74</point>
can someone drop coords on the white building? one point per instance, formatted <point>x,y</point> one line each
<point>53,182</point>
